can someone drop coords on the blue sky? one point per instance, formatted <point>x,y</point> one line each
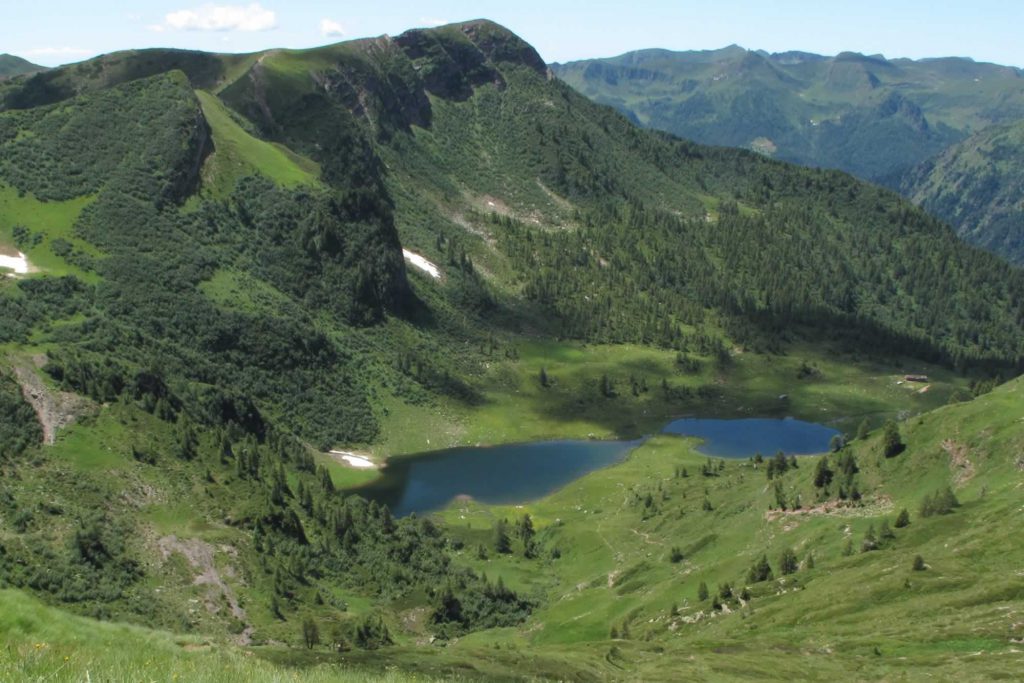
<point>60,31</point>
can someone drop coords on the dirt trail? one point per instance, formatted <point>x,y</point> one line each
<point>867,507</point>
<point>54,409</point>
<point>200,556</point>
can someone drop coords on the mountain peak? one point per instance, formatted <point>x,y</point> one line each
<point>495,42</point>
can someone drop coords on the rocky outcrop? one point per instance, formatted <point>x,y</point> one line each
<point>54,409</point>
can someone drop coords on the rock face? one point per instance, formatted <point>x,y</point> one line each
<point>55,409</point>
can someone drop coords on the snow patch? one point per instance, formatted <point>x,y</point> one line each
<point>422,263</point>
<point>354,460</point>
<point>19,263</point>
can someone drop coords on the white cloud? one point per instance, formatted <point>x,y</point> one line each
<point>57,52</point>
<point>252,17</point>
<point>427,21</point>
<point>331,29</point>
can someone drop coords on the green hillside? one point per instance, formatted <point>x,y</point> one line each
<point>216,296</point>
<point>11,65</point>
<point>976,187</point>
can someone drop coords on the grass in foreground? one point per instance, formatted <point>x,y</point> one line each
<point>44,644</point>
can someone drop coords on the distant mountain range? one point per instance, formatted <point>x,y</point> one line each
<point>11,65</point>
<point>877,118</point>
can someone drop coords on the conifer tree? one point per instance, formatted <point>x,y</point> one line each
<point>788,562</point>
<point>822,473</point>
<point>502,543</point>
<point>892,443</point>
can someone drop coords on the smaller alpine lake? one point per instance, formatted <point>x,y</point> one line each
<point>516,473</point>
<point>743,438</point>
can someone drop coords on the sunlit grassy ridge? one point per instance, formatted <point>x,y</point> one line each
<point>238,154</point>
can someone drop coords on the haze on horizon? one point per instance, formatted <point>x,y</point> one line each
<point>61,31</point>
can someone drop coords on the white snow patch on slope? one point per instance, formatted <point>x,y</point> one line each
<point>19,264</point>
<point>422,263</point>
<point>354,460</point>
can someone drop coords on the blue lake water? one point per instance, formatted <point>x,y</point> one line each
<point>512,473</point>
<point>744,437</point>
<point>517,473</point>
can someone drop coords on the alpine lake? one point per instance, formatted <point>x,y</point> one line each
<point>516,473</point>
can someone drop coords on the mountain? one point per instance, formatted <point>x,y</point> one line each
<point>233,272</point>
<point>11,65</point>
<point>976,186</point>
<point>867,115</point>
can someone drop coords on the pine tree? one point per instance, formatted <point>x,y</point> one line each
<point>862,430</point>
<point>919,565</point>
<point>870,541</point>
<point>310,633</point>
<point>780,495</point>
<point>760,571</point>
<point>892,443</point>
<point>502,543</point>
<point>544,381</point>
<point>788,562</point>
<point>822,473</point>
<point>275,606</point>
<point>525,530</point>
<point>903,519</point>
<point>702,592</point>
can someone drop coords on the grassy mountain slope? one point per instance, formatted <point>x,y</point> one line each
<point>45,644</point>
<point>12,65</point>
<point>864,114</point>
<point>612,601</point>
<point>861,611</point>
<point>976,187</point>
<point>220,296</point>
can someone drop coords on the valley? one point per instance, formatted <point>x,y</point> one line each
<point>259,278</point>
